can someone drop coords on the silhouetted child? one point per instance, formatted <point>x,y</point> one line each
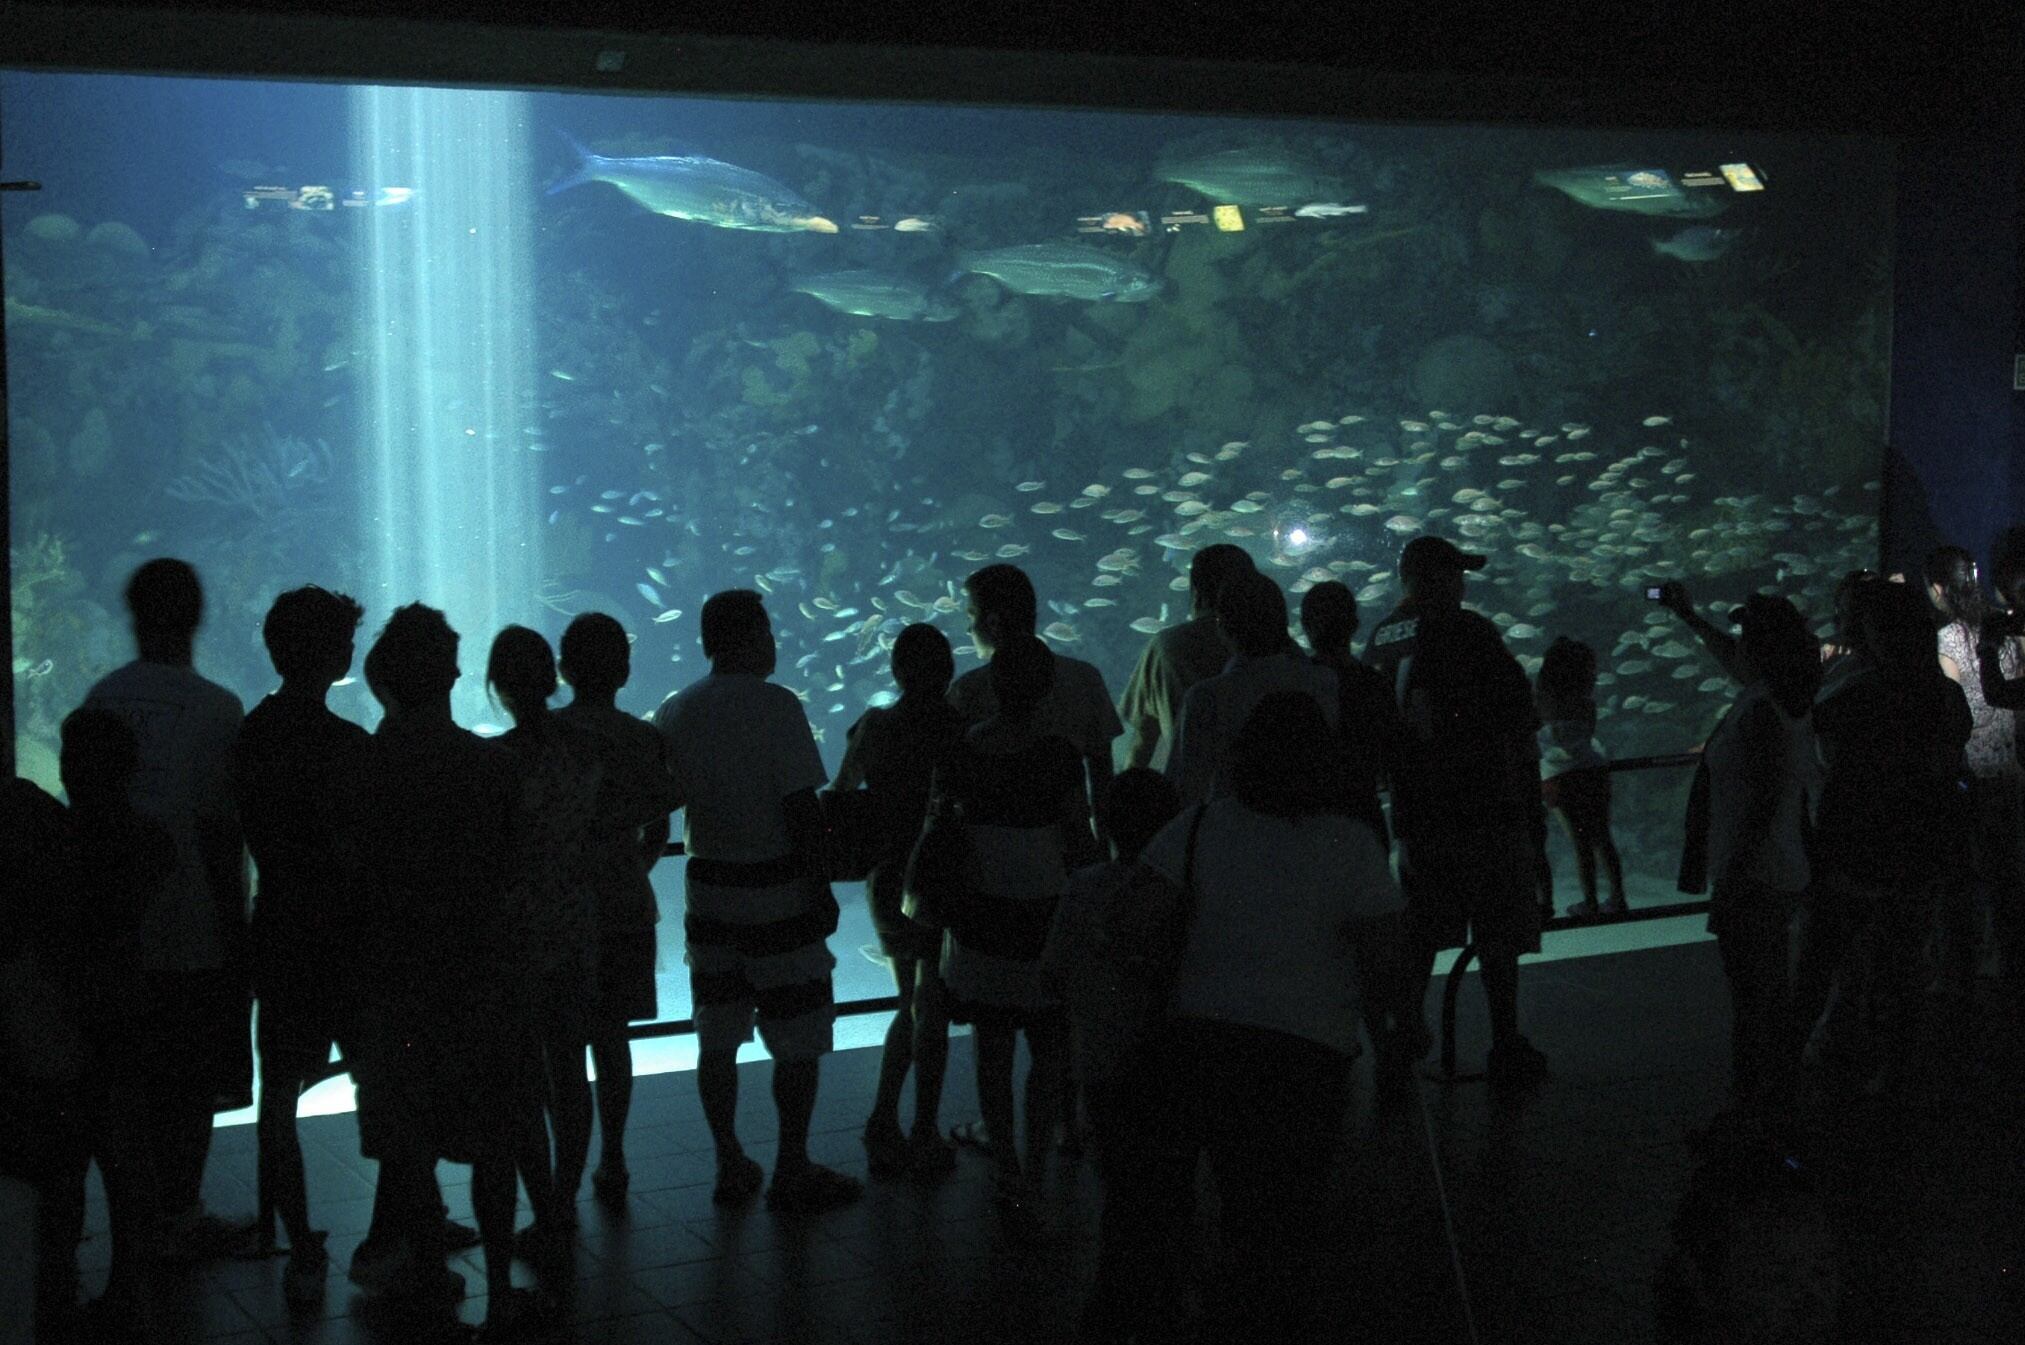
<point>1137,805</point>
<point>72,1067</point>
<point>292,763</point>
<point>1574,772</point>
<point>630,833</point>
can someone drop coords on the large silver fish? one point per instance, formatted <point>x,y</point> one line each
<point>1696,243</point>
<point>1064,271</point>
<point>708,191</point>
<point>876,294</point>
<point>1630,187</point>
<point>1251,177</point>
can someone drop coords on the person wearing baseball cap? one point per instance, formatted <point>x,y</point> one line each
<point>1465,794</point>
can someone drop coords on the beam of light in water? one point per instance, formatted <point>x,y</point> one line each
<point>448,501</point>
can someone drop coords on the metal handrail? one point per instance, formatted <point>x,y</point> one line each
<point>677,1027</point>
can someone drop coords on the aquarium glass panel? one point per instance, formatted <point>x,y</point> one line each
<point>525,355</point>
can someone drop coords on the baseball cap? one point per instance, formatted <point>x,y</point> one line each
<point>1431,555</point>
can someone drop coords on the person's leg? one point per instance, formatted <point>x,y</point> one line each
<point>1047,1080</point>
<point>931,1050</point>
<point>995,1044</point>
<point>1575,820</point>
<point>1149,1153</point>
<point>492,1192</point>
<point>1500,972</point>
<point>284,1067</point>
<point>133,1200</point>
<point>569,1107</point>
<point>612,1056</point>
<point>897,1056</point>
<point>794,1099</point>
<point>717,1085</point>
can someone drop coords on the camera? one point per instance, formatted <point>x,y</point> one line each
<point>2005,625</point>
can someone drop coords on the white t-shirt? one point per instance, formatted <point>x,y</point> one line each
<point>186,726</point>
<point>1077,707</point>
<point>738,745</point>
<point>1214,711</point>
<point>1781,862</point>
<point>1273,899</point>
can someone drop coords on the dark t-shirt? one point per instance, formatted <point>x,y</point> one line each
<point>292,763</point>
<point>893,753</point>
<point>1368,722</point>
<point>1467,724</point>
<point>1893,751</point>
<point>433,849</point>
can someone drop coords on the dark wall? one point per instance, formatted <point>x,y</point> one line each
<point>1957,466</point>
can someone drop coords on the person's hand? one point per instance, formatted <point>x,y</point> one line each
<point>1673,596</point>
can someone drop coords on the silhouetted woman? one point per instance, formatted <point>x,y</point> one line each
<point>892,753</point>
<point>1984,892</point>
<point>1762,783</point>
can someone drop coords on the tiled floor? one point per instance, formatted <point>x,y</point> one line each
<point>1559,1206</point>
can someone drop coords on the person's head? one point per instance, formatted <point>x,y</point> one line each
<point>1001,604</point>
<point>1955,586</point>
<point>1329,617</point>
<point>1252,613</point>
<point>1136,805</point>
<point>1210,569</point>
<point>737,636</point>
<point>1022,673</point>
<point>413,662</point>
<point>1779,650</point>
<point>1431,571</point>
<point>311,634</point>
<point>1284,760</point>
<point>1895,630</point>
<point>1567,671</point>
<point>597,659</point>
<point>99,757</point>
<point>2007,567</point>
<point>520,671</point>
<point>922,663</point>
<point>166,602</point>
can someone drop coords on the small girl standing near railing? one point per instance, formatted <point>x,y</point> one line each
<point>1575,773</point>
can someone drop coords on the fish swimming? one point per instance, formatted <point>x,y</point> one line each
<point>703,190</point>
<point>1630,187</point>
<point>1250,176</point>
<point>876,294</point>
<point>1064,271</point>
<point>1696,243</point>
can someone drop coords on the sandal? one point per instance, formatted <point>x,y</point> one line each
<point>811,1189</point>
<point>971,1134</point>
<point>737,1181</point>
<point>609,1183</point>
<point>930,1155</point>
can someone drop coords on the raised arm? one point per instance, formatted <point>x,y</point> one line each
<point>1720,643</point>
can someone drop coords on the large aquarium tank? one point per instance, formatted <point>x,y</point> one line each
<point>529,354</point>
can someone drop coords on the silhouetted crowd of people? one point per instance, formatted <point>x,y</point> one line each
<point>1195,950</point>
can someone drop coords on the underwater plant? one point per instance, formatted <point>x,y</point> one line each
<point>265,477</point>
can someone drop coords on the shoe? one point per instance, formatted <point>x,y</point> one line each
<point>811,1189</point>
<point>886,1151</point>
<point>545,1243</point>
<point>1581,910</point>
<point>373,1263</point>
<point>971,1135</point>
<point>416,1283</point>
<point>1614,906</point>
<point>458,1237</point>
<point>737,1181</point>
<point>1515,1064</point>
<point>608,1184</point>
<point>196,1235</point>
<point>302,1280</point>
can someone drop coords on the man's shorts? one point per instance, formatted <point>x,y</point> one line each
<point>1472,886</point>
<point>758,955</point>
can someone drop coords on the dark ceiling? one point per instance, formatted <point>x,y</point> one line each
<point>1947,68</point>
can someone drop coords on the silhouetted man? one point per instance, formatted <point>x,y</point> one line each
<point>1465,790</point>
<point>746,771</point>
<point>1177,658</point>
<point>193,936</point>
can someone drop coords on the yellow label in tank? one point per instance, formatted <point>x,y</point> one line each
<point>1228,219</point>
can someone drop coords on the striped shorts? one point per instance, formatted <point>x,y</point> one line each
<point>758,955</point>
